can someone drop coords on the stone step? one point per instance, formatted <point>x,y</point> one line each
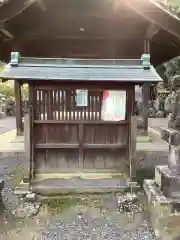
<point>167,181</point>
<point>22,189</point>
<point>51,187</point>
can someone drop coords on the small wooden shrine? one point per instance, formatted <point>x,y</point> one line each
<point>70,138</point>
<point>93,29</point>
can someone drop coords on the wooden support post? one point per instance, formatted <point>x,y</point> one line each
<point>19,125</point>
<point>145,94</point>
<point>132,146</point>
<point>81,129</point>
<point>132,134</point>
<point>27,147</point>
<point>31,134</point>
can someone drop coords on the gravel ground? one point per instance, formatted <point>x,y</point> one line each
<point>7,168</point>
<point>90,218</point>
<point>8,165</point>
<point>99,218</point>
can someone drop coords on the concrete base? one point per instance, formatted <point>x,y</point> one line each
<point>60,186</point>
<point>164,212</point>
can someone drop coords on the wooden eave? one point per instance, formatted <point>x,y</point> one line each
<point>18,21</point>
<point>156,14</point>
<point>10,9</point>
<point>53,25</point>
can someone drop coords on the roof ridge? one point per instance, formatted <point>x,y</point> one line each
<point>17,60</point>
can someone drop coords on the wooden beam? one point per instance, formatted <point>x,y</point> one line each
<point>80,37</point>
<point>5,31</point>
<point>152,30</point>
<point>17,90</point>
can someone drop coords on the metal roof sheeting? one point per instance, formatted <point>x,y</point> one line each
<point>81,70</point>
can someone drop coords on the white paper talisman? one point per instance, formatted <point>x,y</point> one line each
<point>113,106</point>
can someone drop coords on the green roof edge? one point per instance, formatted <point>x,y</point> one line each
<point>14,58</point>
<point>146,63</point>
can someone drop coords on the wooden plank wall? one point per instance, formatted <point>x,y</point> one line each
<point>70,139</point>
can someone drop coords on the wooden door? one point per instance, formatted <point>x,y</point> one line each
<point>67,138</point>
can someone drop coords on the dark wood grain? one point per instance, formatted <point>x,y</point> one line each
<point>66,136</point>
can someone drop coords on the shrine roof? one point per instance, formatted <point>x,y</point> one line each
<point>49,18</point>
<point>122,70</point>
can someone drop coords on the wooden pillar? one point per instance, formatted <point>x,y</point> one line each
<point>27,147</point>
<point>145,96</point>
<point>145,93</point>
<point>19,125</point>
<point>132,134</point>
<point>132,146</point>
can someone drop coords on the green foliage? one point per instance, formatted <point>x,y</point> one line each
<point>7,87</point>
<point>2,65</point>
<point>174,7</point>
<point>170,72</point>
<point>172,67</point>
<point>175,2</point>
<point>7,90</point>
<point>25,91</point>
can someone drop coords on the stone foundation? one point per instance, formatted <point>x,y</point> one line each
<point>163,193</point>
<point>168,182</point>
<point>164,212</point>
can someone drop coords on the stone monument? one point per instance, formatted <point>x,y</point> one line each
<point>163,192</point>
<point>2,109</point>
